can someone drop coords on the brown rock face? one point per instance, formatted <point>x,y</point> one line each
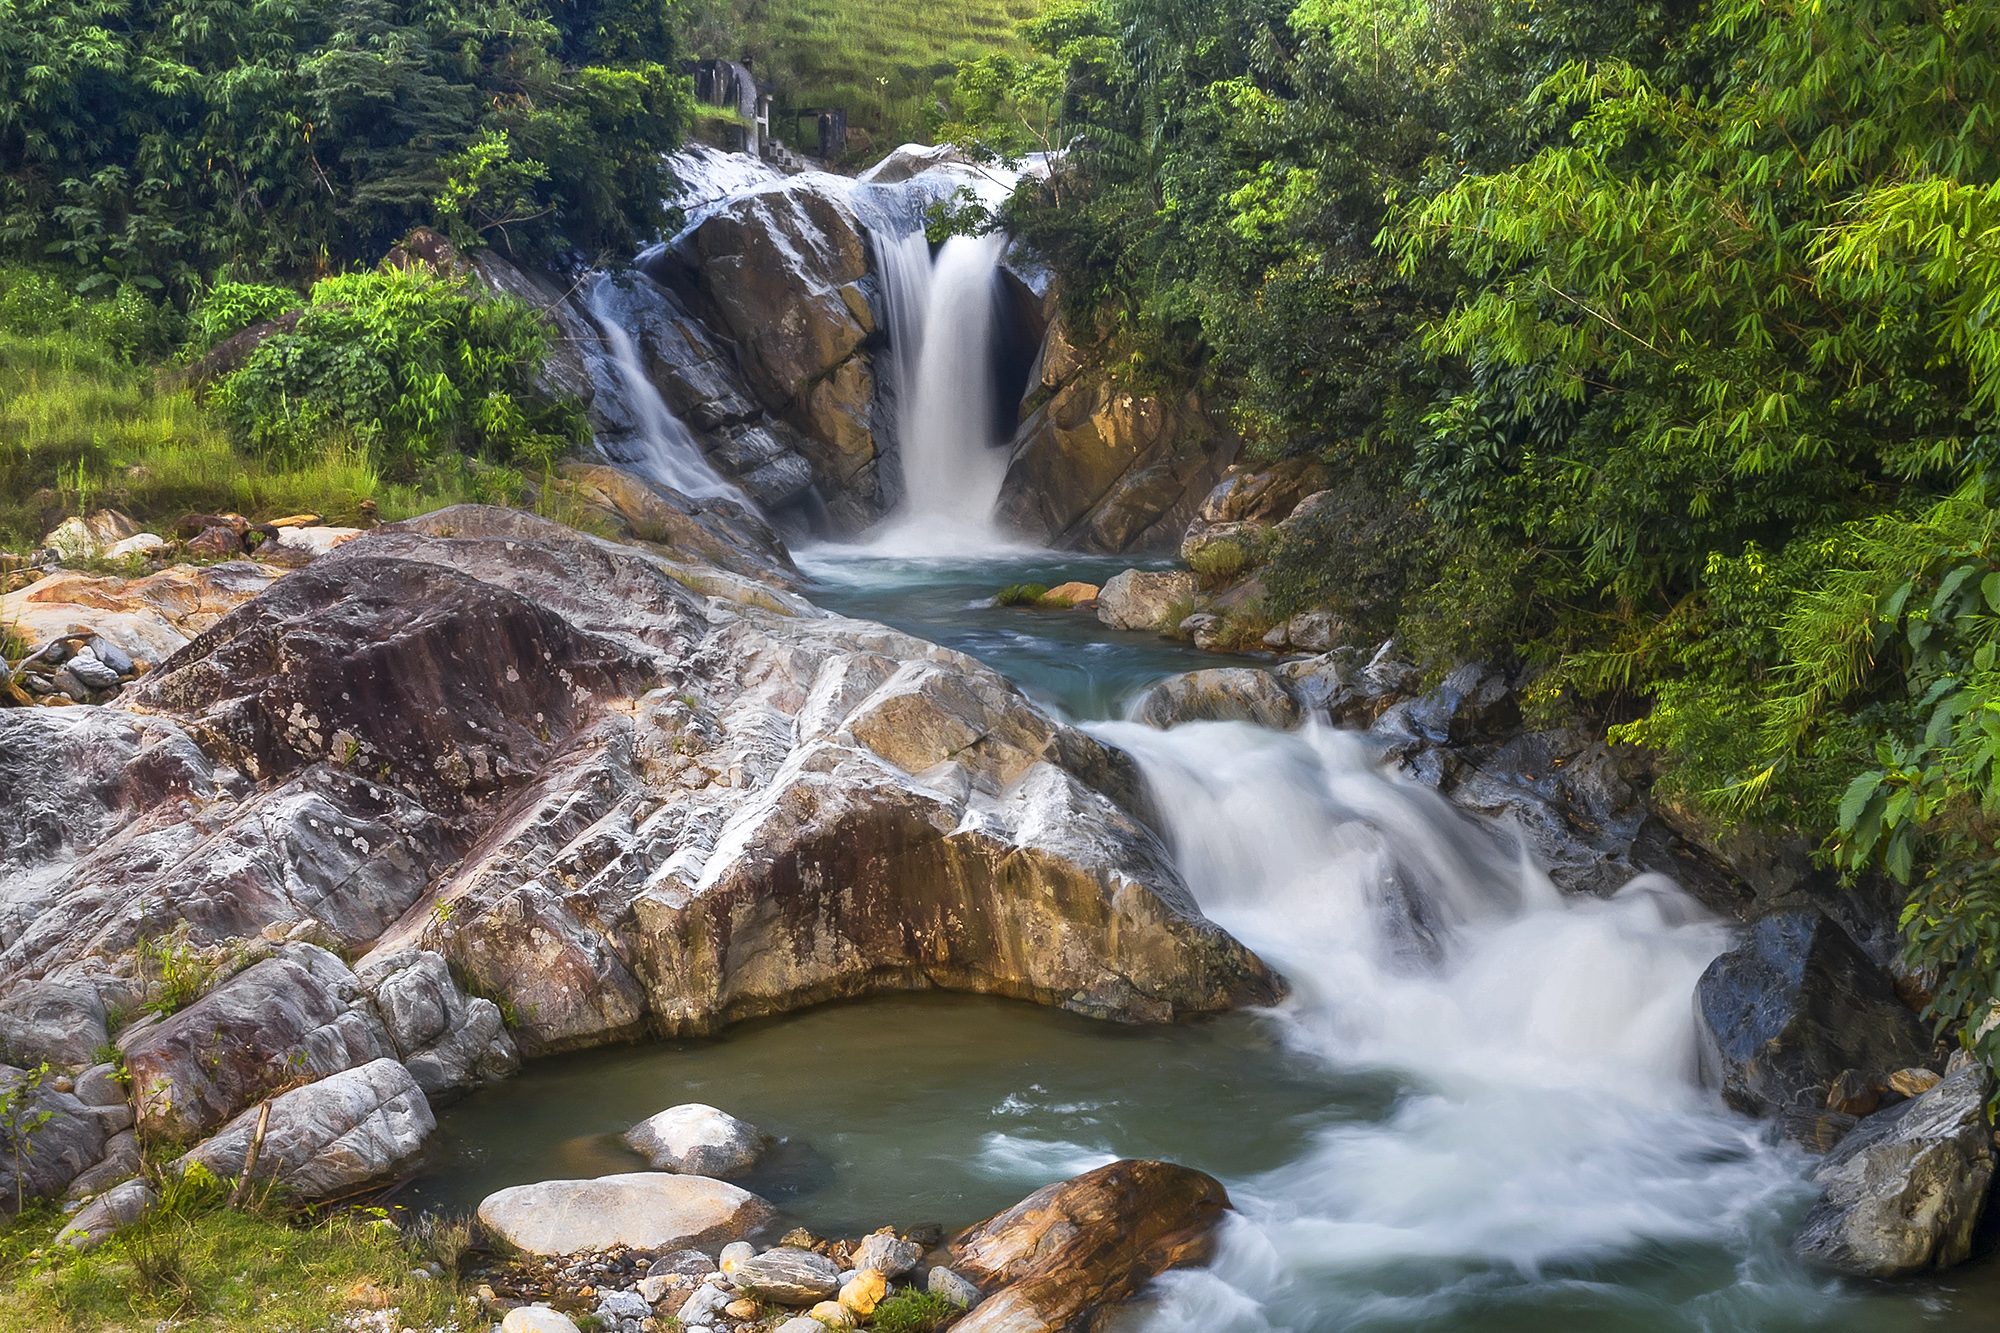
<point>1071,1249</point>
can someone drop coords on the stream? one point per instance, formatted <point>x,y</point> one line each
<point>1477,1110</point>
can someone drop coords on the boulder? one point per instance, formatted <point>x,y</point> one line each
<point>785,1276</point>
<point>449,1042</point>
<point>111,1211</point>
<point>315,541</point>
<point>643,1211</point>
<point>299,1014</point>
<point>698,1140</point>
<point>887,1255</point>
<point>913,159</point>
<point>1903,1193</point>
<point>1139,599</point>
<point>328,1137</point>
<point>536,1319</point>
<point>1225,694</point>
<point>147,618</point>
<point>60,1139</point>
<point>62,1022</point>
<point>122,1160</point>
<point>947,1283</point>
<point>85,538</point>
<point>1072,1249</point>
<point>1788,1010</point>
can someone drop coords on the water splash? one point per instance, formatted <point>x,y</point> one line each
<point>1550,1121</point>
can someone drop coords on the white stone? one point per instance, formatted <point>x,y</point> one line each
<point>623,1305</point>
<point>537,1319</point>
<point>144,544</point>
<point>952,1286</point>
<point>316,541</point>
<point>698,1140</point>
<point>643,1210</point>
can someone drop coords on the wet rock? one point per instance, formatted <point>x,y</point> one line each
<point>1853,1093</point>
<point>1076,1247</point>
<point>1225,694</point>
<point>698,1140</point>
<point>947,1283</point>
<point>1139,599</point>
<point>300,1013</point>
<point>913,159</point>
<point>1904,1191</point>
<point>786,1276</point>
<point>450,1042</point>
<point>1785,1012</point>
<point>328,1137</point>
<point>111,1211</point>
<point>643,1210</point>
<point>61,1139</point>
<point>887,1255</point>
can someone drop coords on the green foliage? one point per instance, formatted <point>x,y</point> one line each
<point>176,973</point>
<point>911,1311</point>
<point>19,1120</point>
<point>228,308</point>
<point>1219,561</point>
<point>153,145</point>
<point>1021,594</point>
<point>407,365</point>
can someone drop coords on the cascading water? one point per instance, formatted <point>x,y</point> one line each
<point>943,328</point>
<point>659,446</point>
<point>1547,1119</point>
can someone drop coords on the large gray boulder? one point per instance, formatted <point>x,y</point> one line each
<point>643,1210</point>
<point>698,1140</point>
<point>449,1042</point>
<point>62,1022</point>
<point>328,1137</point>
<point>1140,598</point>
<point>1904,1191</point>
<point>1791,1008</point>
<point>61,1139</point>
<point>300,1014</point>
<point>108,1212</point>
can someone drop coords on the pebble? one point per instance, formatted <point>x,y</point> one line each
<point>802,1324</point>
<point>865,1292</point>
<point>833,1314</point>
<point>623,1305</point>
<point>691,1263</point>
<point>735,1253</point>
<point>705,1304</point>
<point>741,1309</point>
<point>537,1319</point>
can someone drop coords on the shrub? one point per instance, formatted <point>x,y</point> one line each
<point>1021,594</point>
<point>1219,561</point>
<point>414,366</point>
<point>231,307</point>
<point>913,1311</point>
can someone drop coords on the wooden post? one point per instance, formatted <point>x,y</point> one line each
<point>242,1190</point>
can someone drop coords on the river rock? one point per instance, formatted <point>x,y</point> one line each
<point>301,1013</point>
<point>642,1210</point>
<point>536,1319</point>
<point>947,1283</point>
<point>1785,1012</point>
<point>832,1314</point>
<point>786,1276</point>
<point>683,1263</point>
<point>706,1305</point>
<point>1224,694</point>
<point>327,1137</point>
<point>887,1255</point>
<point>860,1294</point>
<point>1139,599</point>
<point>111,1211</point>
<point>1073,1248</point>
<point>450,1042</point>
<point>1904,1191</point>
<point>801,1324</point>
<point>62,1138</point>
<point>733,1254</point>
<point>698,1140</point>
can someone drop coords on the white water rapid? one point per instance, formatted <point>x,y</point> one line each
<point>1545,1121</point>
<point>660,447</point>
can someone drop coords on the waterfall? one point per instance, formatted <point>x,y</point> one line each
<point>1546,1115</point>
<point>944,325</point>
<point>660,447</point>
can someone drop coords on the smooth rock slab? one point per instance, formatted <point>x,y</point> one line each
<point>785,1276</point>
<point>329,1136</point>
<point>1904,1190</point>
<point>642,1210</point>
<point>107,1213</point>
<point>698,1140</point>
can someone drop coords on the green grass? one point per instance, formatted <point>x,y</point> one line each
<point>880,59</point>
<point>82,429</point>
<point>913,1311</point>
<point>212,1269</point>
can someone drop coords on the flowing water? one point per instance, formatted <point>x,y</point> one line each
<point>661,448</point>
<point>1476,1111</point>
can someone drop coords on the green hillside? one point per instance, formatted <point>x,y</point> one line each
<point>882,60</point>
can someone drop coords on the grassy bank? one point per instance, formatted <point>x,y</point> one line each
<point>204,1266</point>
<point>882,60</point>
